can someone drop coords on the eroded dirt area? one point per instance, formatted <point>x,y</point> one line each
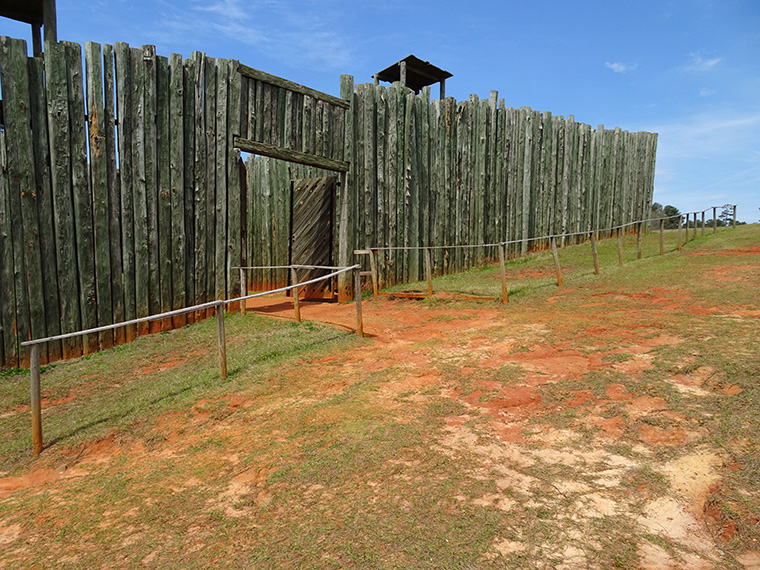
<point>557,416</point>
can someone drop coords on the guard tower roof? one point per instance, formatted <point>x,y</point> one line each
<point>418,73</point>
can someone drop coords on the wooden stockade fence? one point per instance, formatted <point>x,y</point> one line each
<point>123,195</point>
<point>428,173</point>
<point>122,192</point>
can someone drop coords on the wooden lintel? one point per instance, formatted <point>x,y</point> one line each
<point>247,145</point>
<point>290,85</point>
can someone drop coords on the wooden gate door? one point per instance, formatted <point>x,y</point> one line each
<point>311,235</point>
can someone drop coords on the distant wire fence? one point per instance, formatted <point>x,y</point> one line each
<point>552,240</point>
<point>219,305</point>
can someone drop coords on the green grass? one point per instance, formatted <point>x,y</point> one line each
<point>123,388</point>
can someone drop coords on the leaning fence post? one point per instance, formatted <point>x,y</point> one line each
<point>556,262</point>
<point>34,368</point>
<point>296,294</point>
<point>503,270</point>
<point>429,272</point>
<point>243,288</point>
<point>715,219</point>
<point>638,240</point>
<point>358,300</point>
<point>703,223</point>
<point>222,338</point>
<point>620,246</point>
<point>662,236</point>
<point>596,255</point>
<point>680,239</point>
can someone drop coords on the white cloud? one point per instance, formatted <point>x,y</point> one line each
<point>699,64</point>
<point>705,92</point>
<point>620,67</point>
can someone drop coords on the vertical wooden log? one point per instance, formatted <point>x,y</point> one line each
<point>150,133</point>
<point>503,273</point>
<point>429,272</point>
<point>596,255</point>
<point>100,191</point>
<point>189,199</point>
<point>694,235</point>
<point>638,240</point>
<point>210,81</point>
<point>83,207</point>
<point>140,194</point>
<point>8,344</point>
<point>620,246</point>
<point>167,243</point>
<point>296,293</point>
<point>358,301</point>
<point>114,195</point>
<point>703,223</point>
<point>22,192</point>
<point>222,340</point>
<point>733,222</point>
<point>344,280</point>
<point>662,236</point>
<point>176,186</point>
<point>36,398</point>
<point>220,164</point>
<point>235,179</point>
<point>44,191</point>
<point>126,180</point>
<point>557,267</point>
<point>715,219</point>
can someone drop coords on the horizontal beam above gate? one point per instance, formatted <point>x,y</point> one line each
<point>247,145</point>
<point>290,85</point>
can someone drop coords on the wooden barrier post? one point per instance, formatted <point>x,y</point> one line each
<point>733,224</point>
<point>243,289</point>
<point>680,239</point>
<point>715,219</point>
<point>34,366</point>
<point>596,255</point>
<point>296,299</point>
<point>358,301</point>
<point>503,270</point>
<point>695,227</point>
<point>662,236</point>
<point>222,338</point>
<point>556,262</point>
<point>620,246</point>
<point>703,223</point>
<point>373,268</point>
<point>428,272</point>
<point>638,240</point>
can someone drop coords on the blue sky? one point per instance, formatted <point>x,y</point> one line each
<point>688,70</point>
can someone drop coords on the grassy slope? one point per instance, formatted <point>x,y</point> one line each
<point>315,471</point>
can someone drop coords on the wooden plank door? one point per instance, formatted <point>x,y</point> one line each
<point>311,235</point>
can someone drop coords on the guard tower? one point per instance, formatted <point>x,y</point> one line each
<point>414,73</point>
<point>37,13</point>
